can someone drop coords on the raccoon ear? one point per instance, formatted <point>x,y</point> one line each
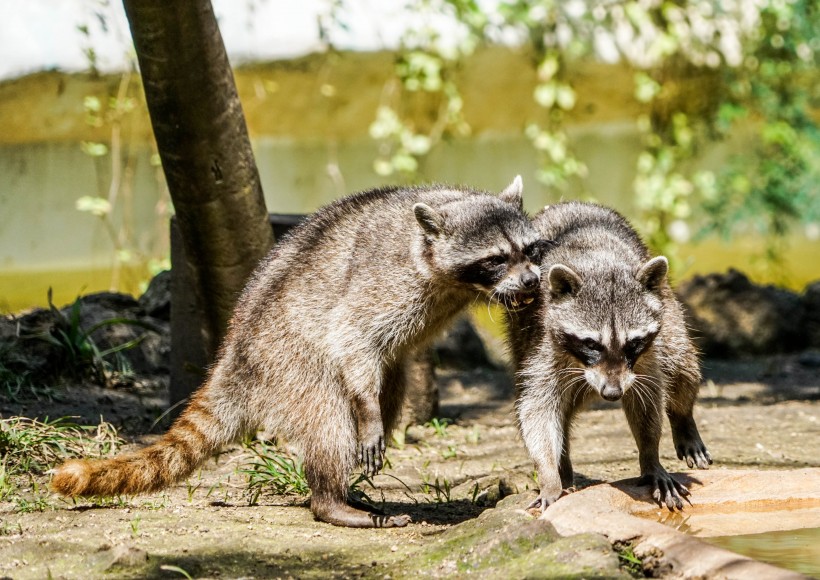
<point>512,193</point>
<point>653,274</point>
<point>429,219</point>
<point>563,281</point>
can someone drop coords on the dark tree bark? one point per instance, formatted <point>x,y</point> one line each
<point>205,151</point>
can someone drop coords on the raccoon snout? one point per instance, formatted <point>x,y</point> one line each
<point>609,387</point>
<point>611,392</point>
<point>529,280</point>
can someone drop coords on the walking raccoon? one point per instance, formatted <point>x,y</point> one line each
<point>606,322</point>
<point>316,347</point>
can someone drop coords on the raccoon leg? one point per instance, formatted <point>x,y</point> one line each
<point>542,428</point>
<point>579,398</point>
<point>682,369</point>
<point>685,435</point>
<point>391,397</point>
<point>644,414</point>
<point>329,458</point>
<point>363,380</point>
<point>371,444</point>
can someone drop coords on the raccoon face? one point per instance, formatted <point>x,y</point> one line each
<point>608,324</point>
<point>486,243</point>
<point>509,274</point>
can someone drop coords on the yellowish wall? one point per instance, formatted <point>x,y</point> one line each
<point>309,121</point>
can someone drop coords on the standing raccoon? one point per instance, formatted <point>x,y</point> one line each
<point>605,322</point>
<point>316,347</point>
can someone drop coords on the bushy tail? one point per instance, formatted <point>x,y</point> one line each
<point>193,437</point>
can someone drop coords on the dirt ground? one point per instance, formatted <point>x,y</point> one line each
<point>761,414</point>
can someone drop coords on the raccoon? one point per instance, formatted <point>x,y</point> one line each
<point>317,345</point>
<point>605,323</point>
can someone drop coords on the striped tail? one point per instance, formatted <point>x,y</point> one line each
<point>191,440</point>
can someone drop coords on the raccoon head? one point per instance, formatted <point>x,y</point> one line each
<point>608,322</point>
<point>485,243</point>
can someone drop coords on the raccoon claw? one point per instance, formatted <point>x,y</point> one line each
<point>695,455</point>
<point>666,490</point>
<point>539,505</point>
<point>542,502</point>
<point>381,521</point>
<point>371,456</point>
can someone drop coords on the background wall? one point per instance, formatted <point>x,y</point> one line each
<point>309,119</point>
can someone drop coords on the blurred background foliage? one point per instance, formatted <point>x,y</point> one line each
<point>755,66</point>
<point>702,73</point>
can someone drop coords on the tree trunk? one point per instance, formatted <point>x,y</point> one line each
<point>205,151</point>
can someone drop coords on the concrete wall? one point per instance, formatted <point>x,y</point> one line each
<point>309,121</point>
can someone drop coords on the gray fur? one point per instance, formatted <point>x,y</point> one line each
<point>601,290</point>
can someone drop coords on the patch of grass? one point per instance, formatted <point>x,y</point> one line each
<point>30,448</point>
<point>628,561</point>
<point>274,470</point>
<point>134,524</point>
<point>38,504</point>
<point>28,445</point>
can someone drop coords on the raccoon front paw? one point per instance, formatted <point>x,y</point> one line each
<point>371,454</point>
<point>545,500</point>
<point>694,452</point>
<point>666,490</point>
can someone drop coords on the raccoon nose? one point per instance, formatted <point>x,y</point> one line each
<point>529,280</point>
<point>611,392</point>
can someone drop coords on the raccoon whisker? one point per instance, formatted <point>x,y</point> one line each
<point>577,384</point>
<point>646,390</point>
<point>582,389</point>
<point>572,384</point>
<point>648,379</point>
<point>638,388</point>
<point>572,375</point>
<point>570,370</point>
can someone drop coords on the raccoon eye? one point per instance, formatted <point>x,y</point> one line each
<point>535,251</point>
<point>494,261</point>
<point>636,346</point>
<point>592,344</point>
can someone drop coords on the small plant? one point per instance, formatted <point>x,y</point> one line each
<point>355,488</point>
<point>13,384</point>
<point>628,561</point>
<point>192,490</point>
<point>6,529</point>
<point>474,493</point>
<point>176,569</point>
<point>79,353</point>
<point>135,526</point>
<point>439,426</point>
<point>450,453</point>
<point>439,489</point>
<point>275,470</point>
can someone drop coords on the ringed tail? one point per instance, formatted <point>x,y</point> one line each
<point>191,440</point>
